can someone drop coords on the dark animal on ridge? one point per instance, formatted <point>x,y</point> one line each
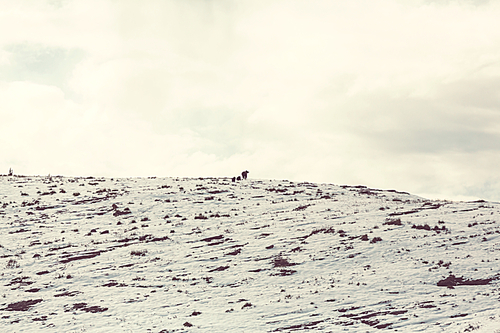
<point>243,176</point>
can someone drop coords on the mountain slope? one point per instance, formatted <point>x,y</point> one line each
<point>209,255</point>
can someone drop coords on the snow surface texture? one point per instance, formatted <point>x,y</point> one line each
<point>209,255</point>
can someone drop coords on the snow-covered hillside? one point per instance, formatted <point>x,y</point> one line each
<point>209,255</point>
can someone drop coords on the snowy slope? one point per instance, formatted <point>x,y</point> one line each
<point>209,255</point>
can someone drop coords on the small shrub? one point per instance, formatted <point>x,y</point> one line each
<point>443,264</point>
<point>23,305</point>
<point>393,222</point>
<point>375,240</point>
<point>12,264</point>
<point>281,262</point>
<point>139,253</point>
<point>300,208</point>
<point>421,227</point>
<point>428,228</point>
<point>247,305</point>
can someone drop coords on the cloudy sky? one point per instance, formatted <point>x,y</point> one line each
<point>401,94</point>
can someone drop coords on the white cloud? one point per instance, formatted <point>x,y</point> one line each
<point>390,93</point>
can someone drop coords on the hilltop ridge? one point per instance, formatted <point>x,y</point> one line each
<point>209,255</point>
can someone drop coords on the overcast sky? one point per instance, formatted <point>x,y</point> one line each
<point>401,94</point>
